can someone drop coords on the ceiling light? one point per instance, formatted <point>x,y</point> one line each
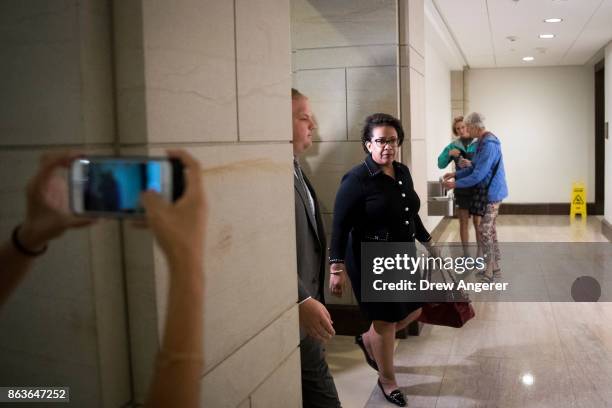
<point>547,36</point>
<point>553,20</point>
<point>528,58</point>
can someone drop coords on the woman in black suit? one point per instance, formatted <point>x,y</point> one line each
<point>376,202</point>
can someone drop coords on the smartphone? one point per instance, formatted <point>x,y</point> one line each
<point>103,186</point>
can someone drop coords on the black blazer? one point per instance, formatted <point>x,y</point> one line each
<point>372,206</point>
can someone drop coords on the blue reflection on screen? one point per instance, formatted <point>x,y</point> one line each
<point>116,186</point>
<point>154,177</point>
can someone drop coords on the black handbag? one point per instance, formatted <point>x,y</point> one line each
<point>480,195</point>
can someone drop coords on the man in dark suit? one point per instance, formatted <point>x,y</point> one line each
<point>318,388</point>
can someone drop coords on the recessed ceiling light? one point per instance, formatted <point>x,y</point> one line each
<point>547,36</point>
<point>553,20</point>
<point>528,58</point>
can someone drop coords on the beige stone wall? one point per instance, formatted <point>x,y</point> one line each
<point>352,59</point>
<point>457,97</point>
<point>66,324</point>
<point>214,77</point>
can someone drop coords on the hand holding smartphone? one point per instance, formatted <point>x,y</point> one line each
<point>105,186</point>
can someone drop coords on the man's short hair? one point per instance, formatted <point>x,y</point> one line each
<point>295,94</point>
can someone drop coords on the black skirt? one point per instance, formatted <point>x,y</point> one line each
<point>385,311</point>
<point>463,197</point>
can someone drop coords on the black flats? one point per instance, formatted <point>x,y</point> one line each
<point>371,362</point>
<point>396,397</point>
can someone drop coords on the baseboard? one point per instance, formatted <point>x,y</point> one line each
<point>606,229</point>
<point>544,209</point>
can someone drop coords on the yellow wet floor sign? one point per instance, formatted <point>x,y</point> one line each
<point>578,205</point>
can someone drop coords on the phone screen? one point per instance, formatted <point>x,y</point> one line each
<point>112,186</point>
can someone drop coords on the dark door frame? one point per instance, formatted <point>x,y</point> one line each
<point>600,146</point>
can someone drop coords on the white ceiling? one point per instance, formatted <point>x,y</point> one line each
<point>478,28</point>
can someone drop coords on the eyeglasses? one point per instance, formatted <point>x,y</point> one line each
<point>388,142</point>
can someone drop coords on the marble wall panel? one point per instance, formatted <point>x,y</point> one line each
<point>412,103</point>
<point>229,383</point>
<point>370,90</point>
<point>412,24</point>
<point>97,96</point>
<point>142,306</point>
<point>70,308</point>
<point>40,73</point>
<point>417,105</point>
<point>409,57</point>
<point>282,387</point>
<point>341,57</point>
<point>250,243</point>
<point>325,163</point>
<point>129,53</point>
<point>326,90</point>
<point>111,313</point>
<point>263,61</point>
<point>457,85</point>
<point>320,23</point>
<point>189,77</point>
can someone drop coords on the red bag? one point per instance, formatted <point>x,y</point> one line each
<point>452,314</point>
<point>455,312</point>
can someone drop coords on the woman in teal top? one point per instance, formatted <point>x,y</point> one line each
<point>460,151</point>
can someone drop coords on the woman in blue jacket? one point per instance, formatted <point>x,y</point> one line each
<point>461,151</point>
<point>487,167</point>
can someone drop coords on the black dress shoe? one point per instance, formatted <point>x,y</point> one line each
<point>371,362</point>
<point>396,397</point>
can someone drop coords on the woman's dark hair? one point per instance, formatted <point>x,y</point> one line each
<point>378,120</point>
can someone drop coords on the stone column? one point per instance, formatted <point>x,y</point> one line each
<point>214,77</point>
<point>457,94</point>
<point>65,325</point>
<point>412,93</point>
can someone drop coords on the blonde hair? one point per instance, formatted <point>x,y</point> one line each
<point>455,121</point>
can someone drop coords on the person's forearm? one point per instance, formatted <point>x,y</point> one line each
<point>13,267</point>
<point>180,361</point>
<point>14,264</point>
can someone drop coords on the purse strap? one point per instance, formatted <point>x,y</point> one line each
<point>480,144</point>
<point>493,174</point>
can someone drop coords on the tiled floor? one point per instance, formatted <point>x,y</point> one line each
<point>510,355</point>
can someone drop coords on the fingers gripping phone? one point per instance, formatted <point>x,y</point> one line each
<point>103,186</point>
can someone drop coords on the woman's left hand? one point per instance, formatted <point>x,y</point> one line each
<point>337,279</point>
<point>449,184</point>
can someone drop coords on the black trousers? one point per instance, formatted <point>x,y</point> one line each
<point>318,388</point>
